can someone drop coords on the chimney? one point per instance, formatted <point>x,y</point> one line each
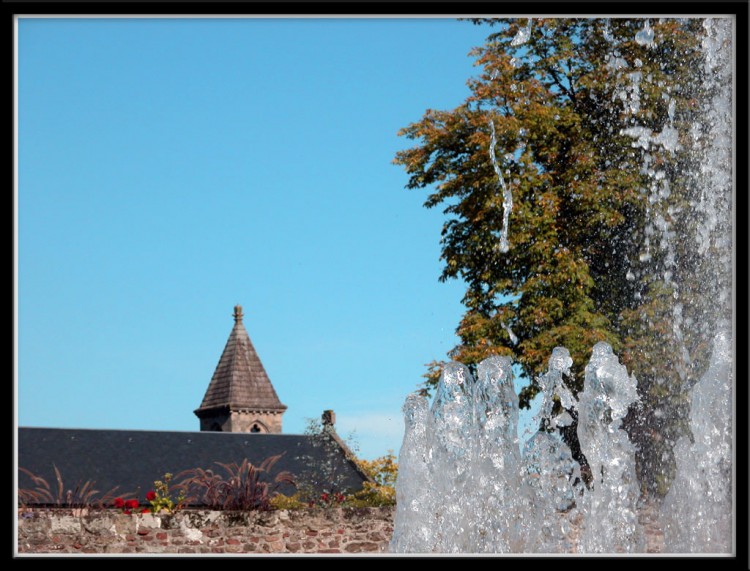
<point>329,418</point>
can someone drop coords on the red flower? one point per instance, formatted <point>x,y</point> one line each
<point>126,512</point>
<point>151,495</point>
<point>324,497</point>
<point>119,502</point>
<point>145,510</point>
<point>311,504</point>
<point>132,504</point>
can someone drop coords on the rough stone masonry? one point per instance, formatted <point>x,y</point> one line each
<point>338,530</point>
<point>306,531</point>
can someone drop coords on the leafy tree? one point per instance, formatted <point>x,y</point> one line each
<point>563,178</point>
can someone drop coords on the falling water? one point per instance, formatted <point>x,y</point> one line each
<point>465,487</point>
<point>507,194</point>
<point>523,35</point>
<point>697,512</point>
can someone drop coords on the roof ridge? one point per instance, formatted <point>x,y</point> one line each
<point>234,361</point>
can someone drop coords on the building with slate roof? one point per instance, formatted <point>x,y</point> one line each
<point>240,418</point>
<point>131,460</point>
<point>240,397</point>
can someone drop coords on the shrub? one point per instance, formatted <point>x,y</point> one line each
<point>160,497</point>
<point>325,500</point>
<point>246,487</point>
<point>381,491</point>
<point>82,495</point>
<point>281,502</point>
<point>372,496</point>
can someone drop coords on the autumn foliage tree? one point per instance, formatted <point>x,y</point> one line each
<point>550,200</point>
<point>381,491</point>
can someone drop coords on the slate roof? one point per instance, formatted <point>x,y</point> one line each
<point>133,459</point>
<point>240,381</point>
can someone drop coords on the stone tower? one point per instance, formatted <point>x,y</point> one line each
<point>240,396</point>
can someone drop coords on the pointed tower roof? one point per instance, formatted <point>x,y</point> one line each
<point>240,381</point>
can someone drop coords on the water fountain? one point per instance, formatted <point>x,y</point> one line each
<point>466,485</point>
<point>613,492</point>
<point>697,512</point>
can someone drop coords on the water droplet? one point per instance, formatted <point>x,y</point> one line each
<point>645,37</point>
<point>522,36</point>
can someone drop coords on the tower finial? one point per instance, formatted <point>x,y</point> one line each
<point>238,314</point>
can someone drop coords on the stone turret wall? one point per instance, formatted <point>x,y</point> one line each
<point>267,422</point>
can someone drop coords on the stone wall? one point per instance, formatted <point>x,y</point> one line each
<point>334,530</point>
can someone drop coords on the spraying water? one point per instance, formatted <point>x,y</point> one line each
<point>464,487</point>
<point>414,513</point>
<point>609,506</point>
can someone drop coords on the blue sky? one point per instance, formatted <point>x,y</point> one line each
<point>169,169</point>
